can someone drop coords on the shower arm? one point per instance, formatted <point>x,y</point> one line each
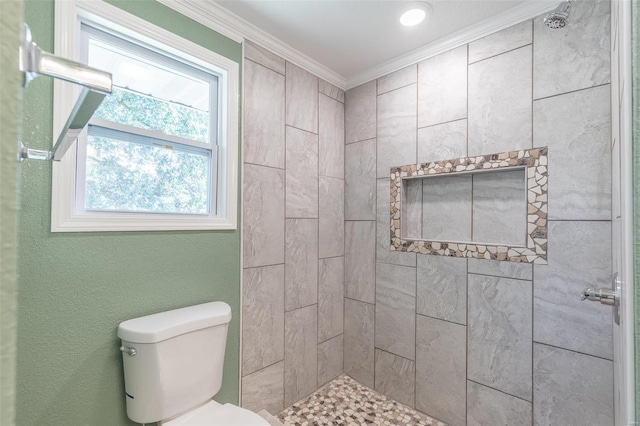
<point>97,84</point>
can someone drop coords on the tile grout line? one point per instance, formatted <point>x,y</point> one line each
<point>533,267</point>
<point>284,287</point>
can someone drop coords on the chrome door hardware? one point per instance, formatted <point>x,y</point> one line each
<point>602,295</point>
<point>606,296</point>
<point>130,351</point>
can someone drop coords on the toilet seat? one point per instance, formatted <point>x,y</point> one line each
<point>213,413</point>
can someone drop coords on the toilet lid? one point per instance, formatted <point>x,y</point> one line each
<point>212,413</point>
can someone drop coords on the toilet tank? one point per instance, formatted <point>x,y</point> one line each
<point>178,361</point>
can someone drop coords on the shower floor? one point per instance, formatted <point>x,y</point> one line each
<point>343,401</point>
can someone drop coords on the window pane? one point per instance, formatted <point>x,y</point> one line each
<point>130,176</point>
<point>152,91</point>
<point>133,109</point>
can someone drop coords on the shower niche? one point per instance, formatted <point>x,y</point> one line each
<point>487,207</point>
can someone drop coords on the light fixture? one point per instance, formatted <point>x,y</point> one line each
<point>413,13</point>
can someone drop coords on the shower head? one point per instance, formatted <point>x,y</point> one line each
<point>559,17</point>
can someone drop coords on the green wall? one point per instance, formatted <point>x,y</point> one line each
<point>74,288</point>
<point>10,78</point>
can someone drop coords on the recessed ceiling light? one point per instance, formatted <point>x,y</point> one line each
<point>414,13</point>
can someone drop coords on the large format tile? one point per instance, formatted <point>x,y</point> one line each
<point>302,174</point>
<point>264,389</point>
<point>262,317</point>
<point>359,340</point>
<point>383,229</point>
<point>360,260</point>
<point>331,217</point>
<point>576,56</point>
<point>330,355</point>
<point>502,41</point>
<point>486,406</point>
<point>264,57</point>
<point>579,257</point>
<point>499,335</point>
<point>395,377</point>
<point>302,99</point>
<point>301,354</point>
<point>331,91</point>
<point>446,208</point>
<point>397,79</point>
<point>500,103</point>
<point>301,263</point>
<point>396,129</point>
<point>263,116</point>
<point>442,141</point>
<point>500,207</point>
<point>442,288</point>
<point>331,138</point>
<point>442,87</point>
<point>396,309</point>
<point>330,298</point>
<point>576,128</point>
<point>441,369</point>
<point>360,113</point>
<point>521,271</point>
<point>411,211</point>
<point>360,181</point>
<point>571,389</point>
<point>263,216</point>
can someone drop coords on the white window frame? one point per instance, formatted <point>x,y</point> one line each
<point>64,212</point>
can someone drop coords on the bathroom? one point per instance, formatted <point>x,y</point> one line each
<point>315,289</point>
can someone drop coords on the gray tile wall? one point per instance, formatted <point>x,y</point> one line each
<point>483,342</point>
<point>293,232</point>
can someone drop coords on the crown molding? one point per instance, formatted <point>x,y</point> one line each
<point>230,25</point>
<point>482,29</point>
<point>195,10</point>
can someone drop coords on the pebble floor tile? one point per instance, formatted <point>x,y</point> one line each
<point>343,401</point>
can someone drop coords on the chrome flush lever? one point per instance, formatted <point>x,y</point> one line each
<point>606,296</point>
<point>130,351</point>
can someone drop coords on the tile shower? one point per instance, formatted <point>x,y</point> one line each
<point>466,341</point>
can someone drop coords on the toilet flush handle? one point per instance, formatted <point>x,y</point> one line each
<point>130,351</point>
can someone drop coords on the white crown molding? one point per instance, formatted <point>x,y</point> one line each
<point>230,25</point>
<point>482,29</point>
<point>198,11</point>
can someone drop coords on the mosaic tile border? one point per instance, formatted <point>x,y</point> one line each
<point>533,160</point>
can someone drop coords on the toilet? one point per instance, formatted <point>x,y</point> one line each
<point>173,365</point>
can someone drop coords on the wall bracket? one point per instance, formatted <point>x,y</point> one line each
<point>97,84</point>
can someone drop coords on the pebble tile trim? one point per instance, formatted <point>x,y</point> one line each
<point>343,401</point>
<point>535,163</point>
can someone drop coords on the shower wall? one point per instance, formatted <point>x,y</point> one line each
<point>482,342</point>
<point>293,232</point>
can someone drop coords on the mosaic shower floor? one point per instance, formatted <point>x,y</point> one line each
<point>343,401</point>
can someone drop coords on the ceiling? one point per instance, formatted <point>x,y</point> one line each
<point>352,36</point>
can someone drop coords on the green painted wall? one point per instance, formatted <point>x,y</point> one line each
<point>74,288</point>
<point>10,77</point>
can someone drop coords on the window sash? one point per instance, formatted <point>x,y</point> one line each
<point>144,137</point>
<point>161,58</point>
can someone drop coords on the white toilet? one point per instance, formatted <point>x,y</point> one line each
<point>173,367</point>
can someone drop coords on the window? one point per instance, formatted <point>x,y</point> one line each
<point>160,152</point>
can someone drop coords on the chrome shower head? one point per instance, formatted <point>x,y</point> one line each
<point>559,17</point>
